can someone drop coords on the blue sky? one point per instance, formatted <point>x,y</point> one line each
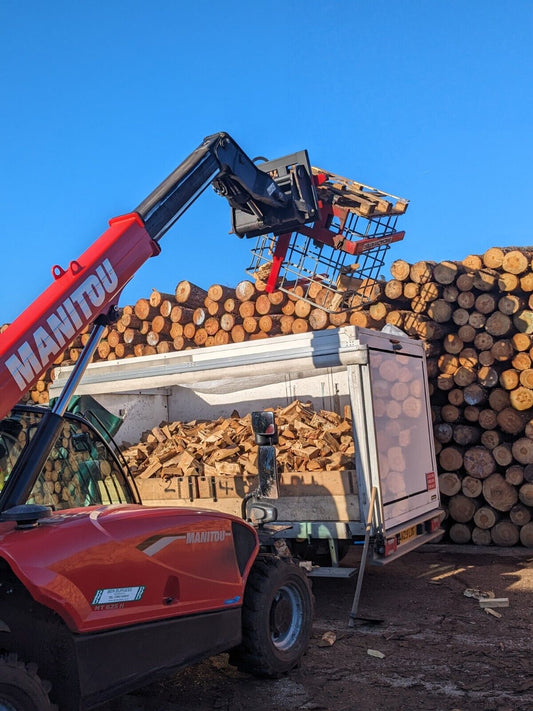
<point>430,100</point>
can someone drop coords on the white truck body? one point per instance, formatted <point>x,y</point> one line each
<point>332,368</point>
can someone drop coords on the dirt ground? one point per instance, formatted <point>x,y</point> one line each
<point>442,652</point>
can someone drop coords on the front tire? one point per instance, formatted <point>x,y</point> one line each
<point>277,618</point>
<point>21,689</point>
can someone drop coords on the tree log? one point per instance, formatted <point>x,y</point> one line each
<point>461,508</point>
<point>181,314</point>
<point>445,272</point>
<point>498,493</point>
<point>493,258</point>
<point>515,262</point>
<point>245,291</point>
<point>486,517</point>
<point>520,514</point>
<point>217,292</point>
<point>521,398</point>
<point>510,420</point>
<point>526,535</point>
<point>523,450</point>
<point>505,534</point>
<point>449,483</point>
<point>460,533</point>
<point>400,270</point>
<point>525,494</point>
<point>188,293</point>
<point>479,462</point>
<point>393,289</point>
<point>514,474</point>
<point>451,459</point>
<point>157,298</point>
<point>481,537</point>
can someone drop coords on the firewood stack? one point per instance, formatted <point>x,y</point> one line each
<point>476,319</point>
<point>308,441</point>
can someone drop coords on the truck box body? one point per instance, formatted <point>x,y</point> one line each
<point>381,376</point>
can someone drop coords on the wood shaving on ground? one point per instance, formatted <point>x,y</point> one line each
<point>478,594</point>
<point>375,653</point>
<point>328,639</point>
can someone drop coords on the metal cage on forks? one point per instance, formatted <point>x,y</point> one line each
<point>335,263</point>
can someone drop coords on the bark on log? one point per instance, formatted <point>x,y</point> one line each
<point>181,314</point>
<point>217,292</point>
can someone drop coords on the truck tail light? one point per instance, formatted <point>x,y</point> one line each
<point>433,524</point>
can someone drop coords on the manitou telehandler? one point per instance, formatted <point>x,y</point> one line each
<point>98,593</point>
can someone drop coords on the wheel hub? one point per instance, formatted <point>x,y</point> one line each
<point>286,617</point>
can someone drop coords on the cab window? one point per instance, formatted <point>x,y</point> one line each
<point>80,471</point>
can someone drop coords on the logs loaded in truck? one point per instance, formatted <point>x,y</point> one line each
<point>99,592</point>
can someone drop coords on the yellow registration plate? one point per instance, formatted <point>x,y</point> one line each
<point>407,534</point>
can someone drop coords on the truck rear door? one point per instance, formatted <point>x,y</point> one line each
<point>395,450</point>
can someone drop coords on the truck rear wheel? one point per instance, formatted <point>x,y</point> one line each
<point>277,618</point>
<point>21,689</point>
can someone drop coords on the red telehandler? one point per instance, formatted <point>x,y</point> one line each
<point>98,593</point>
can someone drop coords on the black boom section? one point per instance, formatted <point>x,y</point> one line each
<point>217,157</point>
<point>270,200</point>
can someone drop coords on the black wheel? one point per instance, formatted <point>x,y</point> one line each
<point>277,618</point>
<point>21,689</point>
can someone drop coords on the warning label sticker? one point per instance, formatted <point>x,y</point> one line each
<point>113,595</point>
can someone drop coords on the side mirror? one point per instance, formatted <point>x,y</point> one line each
<point>266,436</point>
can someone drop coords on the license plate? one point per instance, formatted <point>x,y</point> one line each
<point>407,534</point>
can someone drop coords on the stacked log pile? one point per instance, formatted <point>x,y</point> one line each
<point>308,441</point>
<point>476,319</point>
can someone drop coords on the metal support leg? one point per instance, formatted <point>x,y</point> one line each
<point>362,565</point>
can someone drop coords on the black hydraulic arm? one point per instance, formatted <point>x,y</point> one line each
<point>219,161</point>
<point>218,158</point>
